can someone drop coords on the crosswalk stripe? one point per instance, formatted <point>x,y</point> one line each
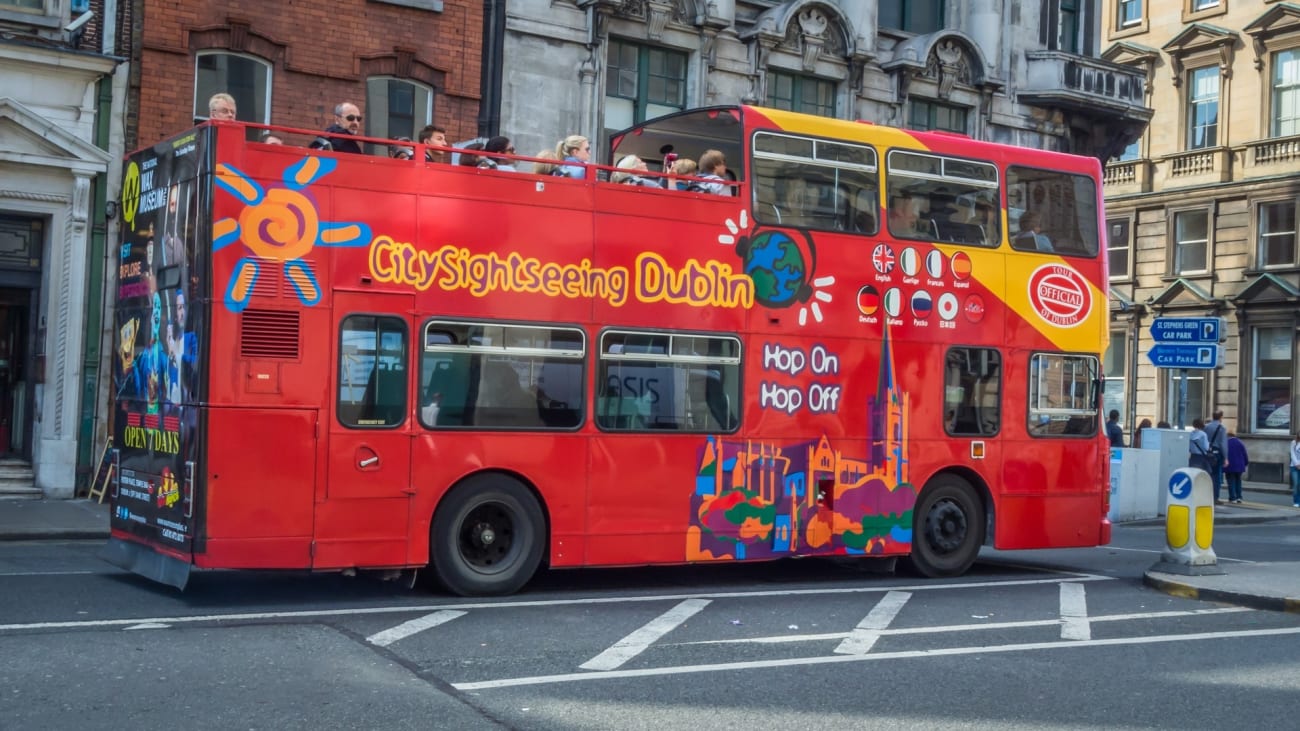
<point>1074,613</point>
<point>406,629</point>
<point>864,636</point>
<point>636,643</point>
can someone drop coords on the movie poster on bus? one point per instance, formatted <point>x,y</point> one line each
<point>166,214</point>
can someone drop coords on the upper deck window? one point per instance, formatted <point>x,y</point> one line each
<point>812,183</point>
<point>948,199</point>
<point>1052,212</point>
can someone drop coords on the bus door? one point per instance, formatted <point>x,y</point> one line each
<point>363,515</point>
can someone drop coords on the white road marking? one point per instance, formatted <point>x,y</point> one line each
<point>54,573</point>
<point>637,642</point>
<point>416,608</point>
<point>778,639</point>
<point>149,625</point>
<point>1074,613</point>
<point>406,629</point>
<point>864,636</point>
<point>829,659</point>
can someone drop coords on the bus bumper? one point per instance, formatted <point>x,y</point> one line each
<point>142,560</point>
<point>1104,538</point>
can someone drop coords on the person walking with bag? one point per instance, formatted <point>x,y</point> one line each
<point>1238,461</point>
<point>1218,437</point>
<point>1198,448</point>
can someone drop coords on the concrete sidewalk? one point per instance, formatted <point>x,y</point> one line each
<point>1272,586</point>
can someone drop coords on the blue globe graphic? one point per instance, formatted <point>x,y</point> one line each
<point>776,264</point>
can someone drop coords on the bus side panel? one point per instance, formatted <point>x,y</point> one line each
<point>259,485</point>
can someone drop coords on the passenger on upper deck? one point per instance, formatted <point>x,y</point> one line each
<point>467,159</point>
<point>546,168</point>
<point>684,167</point>
<point>221,106</point>
<point>401,152</point>
<point>902,215</point>
<point>636,164</point>
<point>575,151</point>
<point>1031,236</point>
<point>498,144</point>
<point>270,138</point>
<point>434,135</point>
<point>713,165</point>
<point>347,122</point>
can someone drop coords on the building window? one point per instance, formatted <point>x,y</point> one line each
<point>642,82</point>
<point>1277,234</point>
<point>33,5</point>
<point>1116,365</point>
<point>1119,243</point>
<point>801,94</point>
<point>1132,152</point>
<point>913,16</point>
<point>1130,12</point>
<point>245,78</point>
<point>1195,395</point>
<point>395,108</point>
<point>1286,93</point>
<point>1272,349</point>
<point>1199,5</point>
<point>972,390</point>
<point>1203,108</point>
<point>1191,241</point>
<point>372,372</point>
<point>1069,26</point>
<point>926,115</point>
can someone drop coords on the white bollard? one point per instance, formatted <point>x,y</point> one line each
<point>1189,520</point>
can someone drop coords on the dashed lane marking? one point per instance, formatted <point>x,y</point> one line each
<point>406,629</point>
<point>1074,613</point>
<point>636,643</point>
<point>829,659</point>
<point>864,636</point>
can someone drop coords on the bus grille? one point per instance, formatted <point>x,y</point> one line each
<point>269,334</point>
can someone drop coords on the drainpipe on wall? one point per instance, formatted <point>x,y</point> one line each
<point>494,32</point>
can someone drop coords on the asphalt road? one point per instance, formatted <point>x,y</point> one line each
<point>1028,640</point>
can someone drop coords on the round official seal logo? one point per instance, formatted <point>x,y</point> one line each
<point>1059,295</point>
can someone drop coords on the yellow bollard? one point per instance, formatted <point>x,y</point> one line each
<point>1189,521</point>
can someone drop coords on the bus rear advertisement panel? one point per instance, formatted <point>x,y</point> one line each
<point>399,364</point>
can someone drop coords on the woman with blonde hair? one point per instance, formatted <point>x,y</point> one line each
<point>683,166</point>
<point>575,151</point>
<point>547,168</point>
<point>628,169</point>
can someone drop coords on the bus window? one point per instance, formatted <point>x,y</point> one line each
<point>1063,395</point>
<point>494,375</point>
<point>945,199</point>
<point>1059,211</point>
<point>972,391</point>
<point>812,183</point>
<point>372,372</point>
<point>650,381</point>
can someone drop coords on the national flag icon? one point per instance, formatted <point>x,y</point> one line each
<point>974,308</point>
<point>948,306</point>
<point>883,258</point>
<point>868,300</point>
<point>961,266</point>
<point>910,261</point>
<point>934,264</point>
<point>893,302</point>
<point>922,305</point>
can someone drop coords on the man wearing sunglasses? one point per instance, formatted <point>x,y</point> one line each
<point>347,121</point>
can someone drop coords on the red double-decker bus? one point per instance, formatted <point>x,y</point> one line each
<point>880,343</point>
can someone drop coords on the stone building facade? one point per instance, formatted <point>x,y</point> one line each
<point>1202,214</point>
<point>1014,71</point>
<point>57,79</point>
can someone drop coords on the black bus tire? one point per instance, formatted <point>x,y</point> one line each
<point>947,528</point>
<point>487,537</point>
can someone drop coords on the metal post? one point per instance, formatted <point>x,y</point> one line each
<point>1182,399</point>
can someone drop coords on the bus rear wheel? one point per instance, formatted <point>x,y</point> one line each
<point>948,528</point>
<point>487,537</point>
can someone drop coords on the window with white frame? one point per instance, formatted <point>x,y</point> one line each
<point>26,5</point>
<point>642,82</point>
<point>396,108</point>
<point>1115,364</point>
<point>1195,395</point>
<point>245,78</point>
<point>1130,13</point>
<point>1277,234</point>
<point>1199,5</point>
<point>1202,107</point>
<point>1286,93</point>
<point>923,114</point>
<point>800,94</point>
<point>1191,241</point>
<point>1272,350</point>
<point>1119,243</point>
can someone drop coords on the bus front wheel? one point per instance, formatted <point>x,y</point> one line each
<point>948,528</point>
<point>487,537</point>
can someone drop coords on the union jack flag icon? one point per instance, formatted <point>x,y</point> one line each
<point>883,258</point>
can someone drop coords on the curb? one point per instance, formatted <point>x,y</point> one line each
<point>1254,601</point>
<point>1219,520</point>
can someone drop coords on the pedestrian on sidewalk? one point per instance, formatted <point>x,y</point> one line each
<point>1295,472</point>
<point>1198,448</point>
<point>1218,437</point>
<point>1114,432</point>
<point>1137,433</point>
<point>1238,460</point>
